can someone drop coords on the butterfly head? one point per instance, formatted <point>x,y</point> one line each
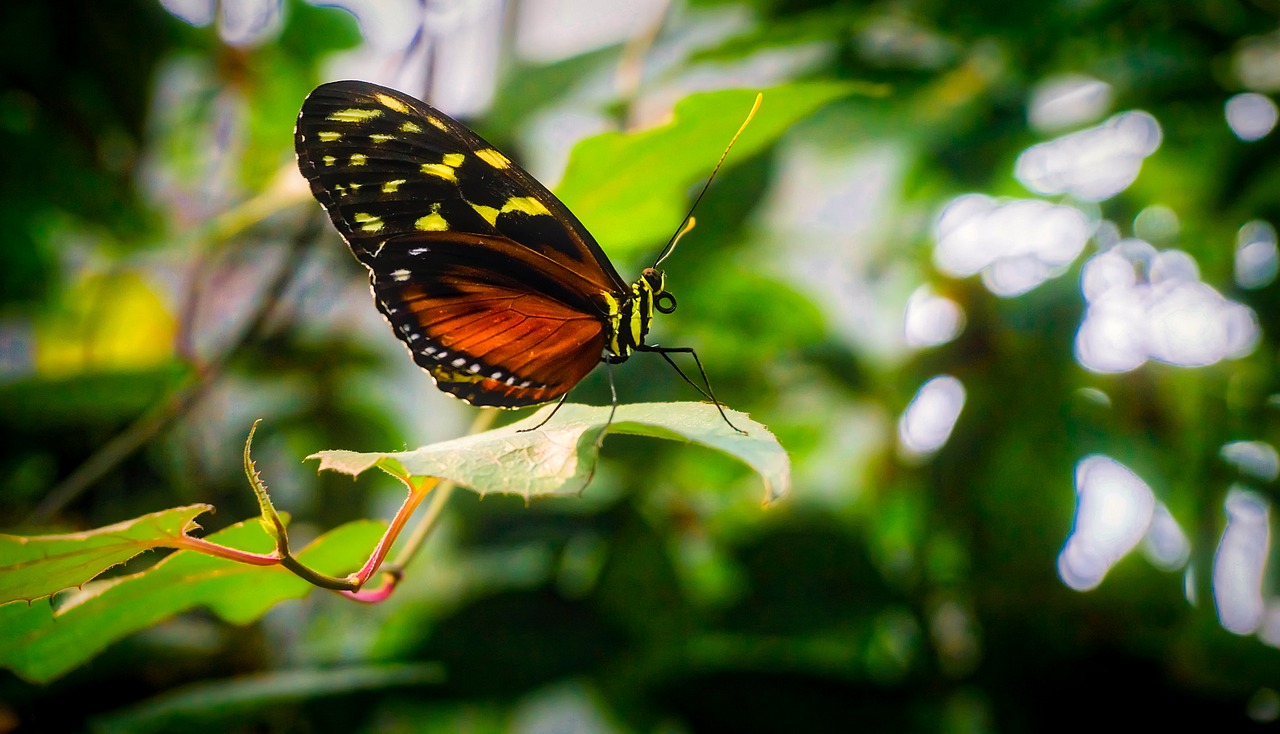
<point>656,280</point>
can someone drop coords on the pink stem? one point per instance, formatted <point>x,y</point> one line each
<point>200,545</point>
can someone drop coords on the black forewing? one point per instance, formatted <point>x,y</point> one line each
<point>385,164</point>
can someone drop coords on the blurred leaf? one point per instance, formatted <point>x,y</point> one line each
<point>37,566</point>
<point>560,457</point>
<point>821,25</point>
<point>107,322</point>
<point>114,396</point>
<point>229,702</point>
<point>313,32</point>
<point>528,90</point>
<point>279,79</point>
<point>74,94</point>
<point>41,642</point>
<point>631,189</point>
<point>557,638</point>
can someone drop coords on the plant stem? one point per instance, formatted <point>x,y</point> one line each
<point>439,499</point>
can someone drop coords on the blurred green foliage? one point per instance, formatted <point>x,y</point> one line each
<point>884,594</point>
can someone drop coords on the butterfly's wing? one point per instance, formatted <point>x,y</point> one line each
<point>492,284</point>
<point>493,325</point>
<point>383,163</point>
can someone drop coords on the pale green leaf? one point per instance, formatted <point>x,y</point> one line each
<point>559,457</point>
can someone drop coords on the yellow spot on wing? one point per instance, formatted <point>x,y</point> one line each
<point>525,205</point>
<point>381,137</point>
<point>354,114</point>
<point>489,213</point>
<point>392,187</point>
<point>435,122</point>
<point>444,374</point>
<point>329,136</point>
<point>392,102</point>
<point>329,160</point>
<point>439,170</point>
<point>433,222</point>
<point>368,222</point>
<point>359,159</point>
<point>493,158</point>
<point>410,127</point>
<point>454,159</point>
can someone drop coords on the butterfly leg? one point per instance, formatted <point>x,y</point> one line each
<point>613,405</point>
<point>559,404</point>
<point>666,353</point>
<point>610,360</point>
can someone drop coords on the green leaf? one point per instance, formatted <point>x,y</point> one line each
<point>37,566</point>
<point>232,702</point>
<point>632,189</point>
<point>42,641</point>
<point>559,458</point>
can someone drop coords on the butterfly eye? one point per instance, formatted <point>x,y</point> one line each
<point>664,302</point>
<point>655,278</point>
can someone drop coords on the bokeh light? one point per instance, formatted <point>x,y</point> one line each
<point>198,13</point>
<point>1240,561</point>
<point>244,23</point>
<point>250,22</point>
<point>552,30</point>
<point>1093,164</point>
<point>930,320</point>
<point>926,424</point>
<point>1256,258</point>
<point>1169,316</point>
<point>1251,116</point>
<point>1263,706</point>
<point>1258,459</point>
<point>1269,629</point>
<point>1016,244</point>
<point>1114,509</point>
<point>1165,545</point>
<point>1065,101</point>
<point>1156,223</point>
<point>1256,63</point>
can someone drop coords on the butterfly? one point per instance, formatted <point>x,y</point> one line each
<point>493,285</point>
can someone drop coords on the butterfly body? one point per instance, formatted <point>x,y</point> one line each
<point>493,285</point>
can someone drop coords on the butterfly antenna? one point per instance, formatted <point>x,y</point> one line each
<point>688,218</point>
